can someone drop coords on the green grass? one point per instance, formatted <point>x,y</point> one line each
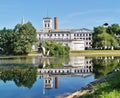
<point>108,89</point>
<point>96,51</point>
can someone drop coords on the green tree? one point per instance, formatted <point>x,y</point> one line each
<point>113,29</point>
<point>56,48</point>
<point>103,40</point>
<point>7,38</point>
<point>97,31</point>
<point>26,37</point>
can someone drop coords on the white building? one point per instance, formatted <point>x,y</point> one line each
<point>76,39</point>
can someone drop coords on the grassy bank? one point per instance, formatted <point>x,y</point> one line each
<point>108,89</point>
<point>96,52</point>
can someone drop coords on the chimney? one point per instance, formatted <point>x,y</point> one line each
<point>22,21</point>
<point>55,23</point>
<point>56,82</point>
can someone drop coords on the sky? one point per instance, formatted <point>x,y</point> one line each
<point>71,14</point>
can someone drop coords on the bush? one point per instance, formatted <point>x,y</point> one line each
<point>56,48</point>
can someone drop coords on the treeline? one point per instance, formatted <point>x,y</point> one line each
<point>17,41</point>
<point>106,37</point>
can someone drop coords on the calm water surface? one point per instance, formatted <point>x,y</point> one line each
<point>19,76</point>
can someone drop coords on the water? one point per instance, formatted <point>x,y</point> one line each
<point>65,86</point>
<point>19,77</point>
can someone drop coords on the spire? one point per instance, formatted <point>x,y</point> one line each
<point>22,21</point>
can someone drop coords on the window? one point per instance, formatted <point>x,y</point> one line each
<point>62,34</point>
<point>45,25</point>
<point>48,25</point>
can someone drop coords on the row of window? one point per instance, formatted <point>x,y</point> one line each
<point>55,34</point>
<point>88,43</point>
<point>82,34</point>
<point>83,38</point>
<point>65,34</point>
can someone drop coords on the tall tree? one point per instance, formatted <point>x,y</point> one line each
<point>7,38</point>
<point>26,37</point>
<point>102,39</point>
<point>113,29</point>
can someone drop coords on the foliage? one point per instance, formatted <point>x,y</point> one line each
<point>103,38</point>
<point>56,48</point>
<point>113,29</point>
<point>17,41</point>
<point>108,89</point>
<point>7,38</point>
<point>26,34</point>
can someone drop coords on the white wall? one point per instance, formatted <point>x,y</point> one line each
<point>77,45</point>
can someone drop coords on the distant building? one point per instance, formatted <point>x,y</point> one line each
<point>76,39</point>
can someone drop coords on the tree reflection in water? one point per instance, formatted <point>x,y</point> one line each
<point>21,76</point>
<point>104,65</point>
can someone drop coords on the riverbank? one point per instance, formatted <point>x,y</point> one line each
<point>87,53</point>
<point>96,53</point>
<point>102,87</point>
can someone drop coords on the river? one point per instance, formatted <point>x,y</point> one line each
<point>22,77</point>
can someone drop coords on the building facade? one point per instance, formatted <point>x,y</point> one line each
<point>76,39</point>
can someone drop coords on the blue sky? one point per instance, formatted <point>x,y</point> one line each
<point>72,14</point>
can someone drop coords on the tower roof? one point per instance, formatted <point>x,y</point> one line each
<point>46,18</point>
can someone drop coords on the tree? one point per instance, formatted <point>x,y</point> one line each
<point>102,39</point>
<point>17,41</point>
<point>26,37</point>
<point>113,29</point>
<point>96,39</point>
<point>7,38</point>
<point>56,48</point>
<point>107,41</point>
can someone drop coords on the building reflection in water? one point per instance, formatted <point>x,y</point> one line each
<point>48,82</point>
<point>78,65</point>
<point>80,61</point>
<point>75,61</point>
